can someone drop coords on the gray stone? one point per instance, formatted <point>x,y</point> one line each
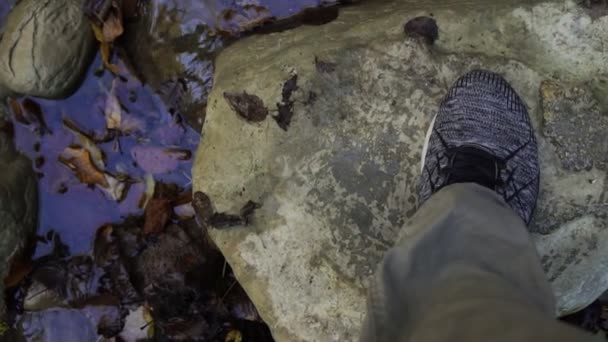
<point>46,48</point>
<point>338,185</point>
<point>18,201</point>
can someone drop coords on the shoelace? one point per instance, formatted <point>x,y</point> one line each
<point>473,164</point>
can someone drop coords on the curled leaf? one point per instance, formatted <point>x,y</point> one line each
<point>113,110</point>
<point>112,26</point>
<point>149,191</point>
<point>97,156</point>
<point>78,159</point>
<point>29,112</point>
<point>105,49</point>
<point>157,215</point>
<point>117,189</point>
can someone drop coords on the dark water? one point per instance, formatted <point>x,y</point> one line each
<point>165,58</point>
<point>187,32</point>
<point>76,210</point>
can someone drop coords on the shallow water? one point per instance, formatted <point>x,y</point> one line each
<point>165,59</point>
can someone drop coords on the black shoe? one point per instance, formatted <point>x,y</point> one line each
<point>482,134</point>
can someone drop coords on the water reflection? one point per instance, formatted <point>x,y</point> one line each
<point>75,210</point>
<point>165,59</point>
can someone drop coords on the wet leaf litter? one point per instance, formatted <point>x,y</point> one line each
<point>115,163</point>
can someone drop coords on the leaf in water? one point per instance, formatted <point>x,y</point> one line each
<point>29,112</point>
<point>40,297</point>
<point>134,323</point>
<point>250,107</point>
<point>157,215</point>
<point>149,191</point>
<point>113,111</point>
<point>78,159</point>
<point>105,49</point>
<point>112,26</point>
<point>149,319</point>
<point>117,189</point>
<point>234,336</point>
<point>33,109</point>
<point>17,111</point>
<point>97,155</point>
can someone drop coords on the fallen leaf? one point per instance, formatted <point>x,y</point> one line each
<point>40,297</point>
<point>17,111</point>
<point>29,112</point>
<point>149,319</point>
<point>78,159</point>
<point>116,189</point>
<point>97,155</point>
<point>148,192</point>
<point>157,215</point>
<point>112,26</point>
<point>105,49</point>
<point>113,110</point>
<point>234,336</point>
<point>135,320</point>
<point>250,107</point>
<point>285,108</point>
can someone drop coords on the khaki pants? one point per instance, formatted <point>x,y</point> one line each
<point>467,272</point>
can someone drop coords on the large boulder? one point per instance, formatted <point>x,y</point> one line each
<point>46,48</point>
<point>335,161</point>
<point>18,202</point>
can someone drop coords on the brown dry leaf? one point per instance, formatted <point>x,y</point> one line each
<point>117,189</point>
<point>113,111</point>
<point>157,215</point>
<point>34,112</point>
<point>112,27</point>
<point>97,155</point>
<point>17,111</point>
<point>78,159</point>
<point>29,112</point>
<point>105,49</point>
<point>148,192</point>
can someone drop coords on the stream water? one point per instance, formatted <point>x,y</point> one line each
<point>165,61</point>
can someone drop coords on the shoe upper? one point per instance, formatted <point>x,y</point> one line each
<point>482,134</point>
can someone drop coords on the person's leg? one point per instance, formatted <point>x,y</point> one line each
<point>468,273</point>
<point>465,269</point>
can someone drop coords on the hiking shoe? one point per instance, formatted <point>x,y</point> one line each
<point>482,134</point>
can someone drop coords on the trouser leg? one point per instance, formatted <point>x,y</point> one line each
<point>465,269</point>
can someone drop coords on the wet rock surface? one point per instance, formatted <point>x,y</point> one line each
<point>18,203</point>
<point>46,48</point>
<point>337,187</point>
